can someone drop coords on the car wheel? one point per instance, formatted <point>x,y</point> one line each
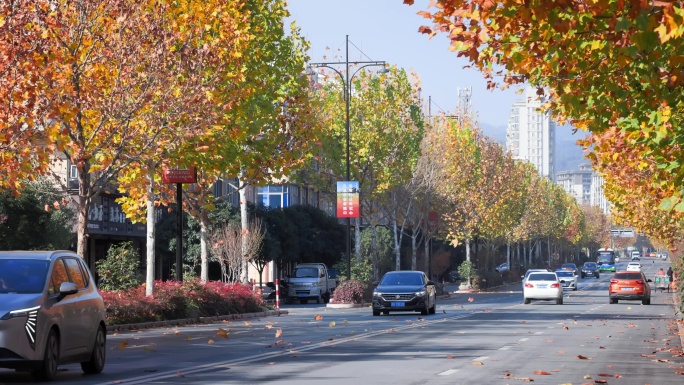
<point>433,309</point>
<point>526,301</point>
<point>376,312</point>
<point>318,298</point>
<point>597,276</point>
<point>613,300</point>
<point>47,369</point>
<point>646,301</point>
<point>559,301</point>
<point>582,276</point>
<point>574,288</point>
<point>326,298</point>
<point>303,301</point>
<point>97,357</point>
<point>385,312</point>
<point>425,311</point>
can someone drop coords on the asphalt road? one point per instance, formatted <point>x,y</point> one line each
<point>487,338</point>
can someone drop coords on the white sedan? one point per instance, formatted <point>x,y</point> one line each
<point>567,279</point>
<point>634,266</point>
<point>542,285</point>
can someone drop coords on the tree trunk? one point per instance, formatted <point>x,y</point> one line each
<point>467,246</point>
<point>244,221</point>
<point>414,249</point>
<point>84,203</point>
<point>204,249</point>
<point>151,226</point>
<point>374,251</point>
<point>357,238</point>
<point>397,246</point>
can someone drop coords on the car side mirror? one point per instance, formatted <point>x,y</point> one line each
<point>67,288</point>
<point>649,280</point>
<point>431,283</point>
<point>374,283</point>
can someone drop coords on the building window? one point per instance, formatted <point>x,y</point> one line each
<point>273,196</point>
<point>73,172</point>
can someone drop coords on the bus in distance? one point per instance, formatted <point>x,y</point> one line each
<point>606,258</point>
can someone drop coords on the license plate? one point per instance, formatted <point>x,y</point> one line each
<point>541,286</point>
<point>303,294</point>
<point>397,304</point>
<point>627,289</point>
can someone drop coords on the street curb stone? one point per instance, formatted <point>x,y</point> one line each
<point>193,321</point>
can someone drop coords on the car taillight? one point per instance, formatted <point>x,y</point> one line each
<point>613,281</point>
<point>639,282</point>
<point>529,285</point>
<point>555,284</point>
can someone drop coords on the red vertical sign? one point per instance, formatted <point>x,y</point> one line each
<point>348,199</point>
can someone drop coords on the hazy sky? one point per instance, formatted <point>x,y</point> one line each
<point>388,30</point>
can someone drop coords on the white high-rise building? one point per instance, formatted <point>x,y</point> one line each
<point>531,134</point>
<point>577,183</point>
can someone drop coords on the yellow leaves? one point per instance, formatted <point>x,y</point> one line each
<point>331,324</point>
<point>123,344</point>
<point>210,342</point>
<point>318,317</point>
<point>477,363</point>
<point>278,333</point>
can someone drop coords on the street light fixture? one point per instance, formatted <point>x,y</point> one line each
<point>346,80</point>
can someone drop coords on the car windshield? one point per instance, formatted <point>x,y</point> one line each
<point>564,274</point>
<point>542,277</point>
<point>306,272</point>
<point>24,276</point>
<point>590,265</point>
<point>396,279</point>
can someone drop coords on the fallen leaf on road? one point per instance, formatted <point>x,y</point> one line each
<point>223,333</point>
<point>318,317</point>
<point>471,299</point>
<point>541,373</point>
<point>210,341</point>
<point>450,356</point>
<point>523,322</point>
<point>331,324</point>
<point>477,363</point>
<point>629,308</point>
<point>526,379</point>
<point>122,344</point>
<point>660,360</point>
<point>278,333</point>
<point>581,357</point>
<point>247,323</point>
<point>587,377</point>
<point>270,363</point>
<point>566,328</point>
<point>178,374</point>
<point>345,321</point>
<point>600,382</point>
<point>176,332</point>
<point>601,347</point>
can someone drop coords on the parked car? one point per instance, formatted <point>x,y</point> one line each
<point>567,279</point>
<point>404,291</point>
<point>634,266</point>
<point>50,313</point>
<point>570,267</point>
<point>589,269</point>
<point>630,285</point>
<point>502,267</point>
<point>542,285</point>
<point>311,281</point>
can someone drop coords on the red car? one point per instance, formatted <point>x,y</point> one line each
<point>630,285</point>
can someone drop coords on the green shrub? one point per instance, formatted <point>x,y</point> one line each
<point>119,270</point>
<point>468,273</point>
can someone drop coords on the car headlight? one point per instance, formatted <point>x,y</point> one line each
<point>422,293</point>
<point>31,315</point>
<point>377,294</point>
<point>28,312</point>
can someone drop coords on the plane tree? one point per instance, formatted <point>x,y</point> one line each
<point>607,65</point>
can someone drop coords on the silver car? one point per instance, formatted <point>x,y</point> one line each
<point>50,313</point>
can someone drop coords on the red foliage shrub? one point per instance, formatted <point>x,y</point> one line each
<point>177,300</point>
<point>350,291</point>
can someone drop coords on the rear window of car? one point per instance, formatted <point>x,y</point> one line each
<point>542,277</point>
<point>627,276</point>
<point>565,274</point>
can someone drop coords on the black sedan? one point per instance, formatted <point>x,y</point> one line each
<point>404,291</point>
<point>590,269</point>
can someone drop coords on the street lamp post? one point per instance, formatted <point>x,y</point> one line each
<point>346,80</point>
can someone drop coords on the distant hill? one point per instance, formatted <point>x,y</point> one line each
<point>568,154</point>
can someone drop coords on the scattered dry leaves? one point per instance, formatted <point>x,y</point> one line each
<point>318,317</point>
<point>541,373</point>
<point>123,344</point>
<point>581,357</point>
<point>479,363</point>
<point>278,333</point>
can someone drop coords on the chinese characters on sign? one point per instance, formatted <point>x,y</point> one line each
<point>179,175</point>
<point>348,199</point>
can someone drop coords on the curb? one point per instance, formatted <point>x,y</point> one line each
<point>344,305</point>
<point>193,321</point>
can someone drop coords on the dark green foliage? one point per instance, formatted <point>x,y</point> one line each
<point>119,270</point>
<point>26,225</point>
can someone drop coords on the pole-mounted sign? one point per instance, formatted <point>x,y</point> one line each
<point>179,176</point>
<point>348,199</point>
